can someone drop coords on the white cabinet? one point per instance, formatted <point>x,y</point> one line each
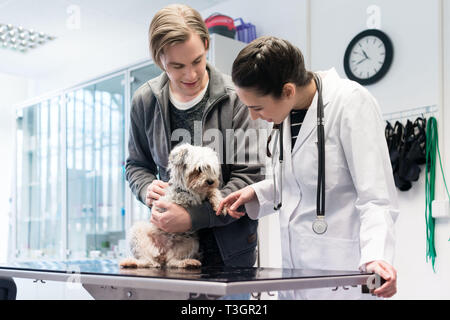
<point>223,51</point>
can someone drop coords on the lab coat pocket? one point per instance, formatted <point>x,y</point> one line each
<point>305,165</point>
<point>327,253</point>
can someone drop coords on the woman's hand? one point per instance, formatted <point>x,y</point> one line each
<point>155,190</point>
<point>234,200</point>
<point>388,273</point>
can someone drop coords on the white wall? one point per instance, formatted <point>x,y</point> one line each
<point>412,80</point>
<point>284,19</point>
<point>13,90</point>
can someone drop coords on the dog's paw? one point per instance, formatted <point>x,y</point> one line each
<point>224,211</point>
<point>191,263</point>
<point>151,265</point>
<point>135,263</point>
<point>128,263</point>
<point>148,263</point>
<point>186,264</point>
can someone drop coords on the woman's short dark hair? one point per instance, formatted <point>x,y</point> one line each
<point>267,64</point>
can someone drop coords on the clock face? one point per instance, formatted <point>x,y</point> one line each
<point>368,57</point>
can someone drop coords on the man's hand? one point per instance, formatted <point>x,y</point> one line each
<point>155,190</point>
<point>388,273</point>
<point>170,217</point>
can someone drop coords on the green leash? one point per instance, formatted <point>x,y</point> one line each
<point>432,145</point>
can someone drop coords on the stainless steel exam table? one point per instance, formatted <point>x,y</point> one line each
<point>104,279</point>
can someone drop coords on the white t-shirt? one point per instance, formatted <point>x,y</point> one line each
<point>189,104</point>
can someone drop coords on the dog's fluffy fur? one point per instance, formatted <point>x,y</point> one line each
<point>194,177</point>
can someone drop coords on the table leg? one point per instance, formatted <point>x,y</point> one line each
<point>8,288</point>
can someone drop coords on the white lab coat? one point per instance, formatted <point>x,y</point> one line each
<point>361,198</point>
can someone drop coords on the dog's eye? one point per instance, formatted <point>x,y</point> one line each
<point>199,170</point>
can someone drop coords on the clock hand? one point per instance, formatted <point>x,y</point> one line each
<point>365,54</point>
<point>361,61</point>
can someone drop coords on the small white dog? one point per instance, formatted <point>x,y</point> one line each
<point>194,177</point>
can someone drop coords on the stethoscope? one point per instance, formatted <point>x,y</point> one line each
<point>319,225</point>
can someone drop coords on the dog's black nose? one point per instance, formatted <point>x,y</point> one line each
<point>210,182</point>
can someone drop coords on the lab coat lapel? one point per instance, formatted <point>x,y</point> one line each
<point>291,197</point>
<point>287,145</point>
<point>310,122</point>
<point>308,126</point>
<point>292,185</point>
<point>288,183</point>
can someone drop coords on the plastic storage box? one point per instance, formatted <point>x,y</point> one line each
<point>246,32</point>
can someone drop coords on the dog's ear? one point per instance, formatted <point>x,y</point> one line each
<point>178,155</point>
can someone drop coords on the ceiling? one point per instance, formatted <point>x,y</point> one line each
<point>105,27</point>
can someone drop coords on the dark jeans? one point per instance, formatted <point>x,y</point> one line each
<point>210,257</point>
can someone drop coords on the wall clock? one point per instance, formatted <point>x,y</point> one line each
<point>368,56</point>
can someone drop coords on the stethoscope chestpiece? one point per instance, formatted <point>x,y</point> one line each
<point>319,225</point>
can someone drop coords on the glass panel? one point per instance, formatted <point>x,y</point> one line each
<point>140,76</point>
<point>95,169</point>
<point>39,180</point>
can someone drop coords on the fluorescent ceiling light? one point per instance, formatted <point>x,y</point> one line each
<point>20,39</point>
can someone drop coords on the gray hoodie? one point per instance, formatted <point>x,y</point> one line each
<point>149,147</point>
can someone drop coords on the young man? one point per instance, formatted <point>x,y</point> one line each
<point>187,99</point>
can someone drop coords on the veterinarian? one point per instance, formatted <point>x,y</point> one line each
<point>361,205</point>
<point>189,93</point>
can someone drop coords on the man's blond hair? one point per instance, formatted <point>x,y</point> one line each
<point>174,24</point>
